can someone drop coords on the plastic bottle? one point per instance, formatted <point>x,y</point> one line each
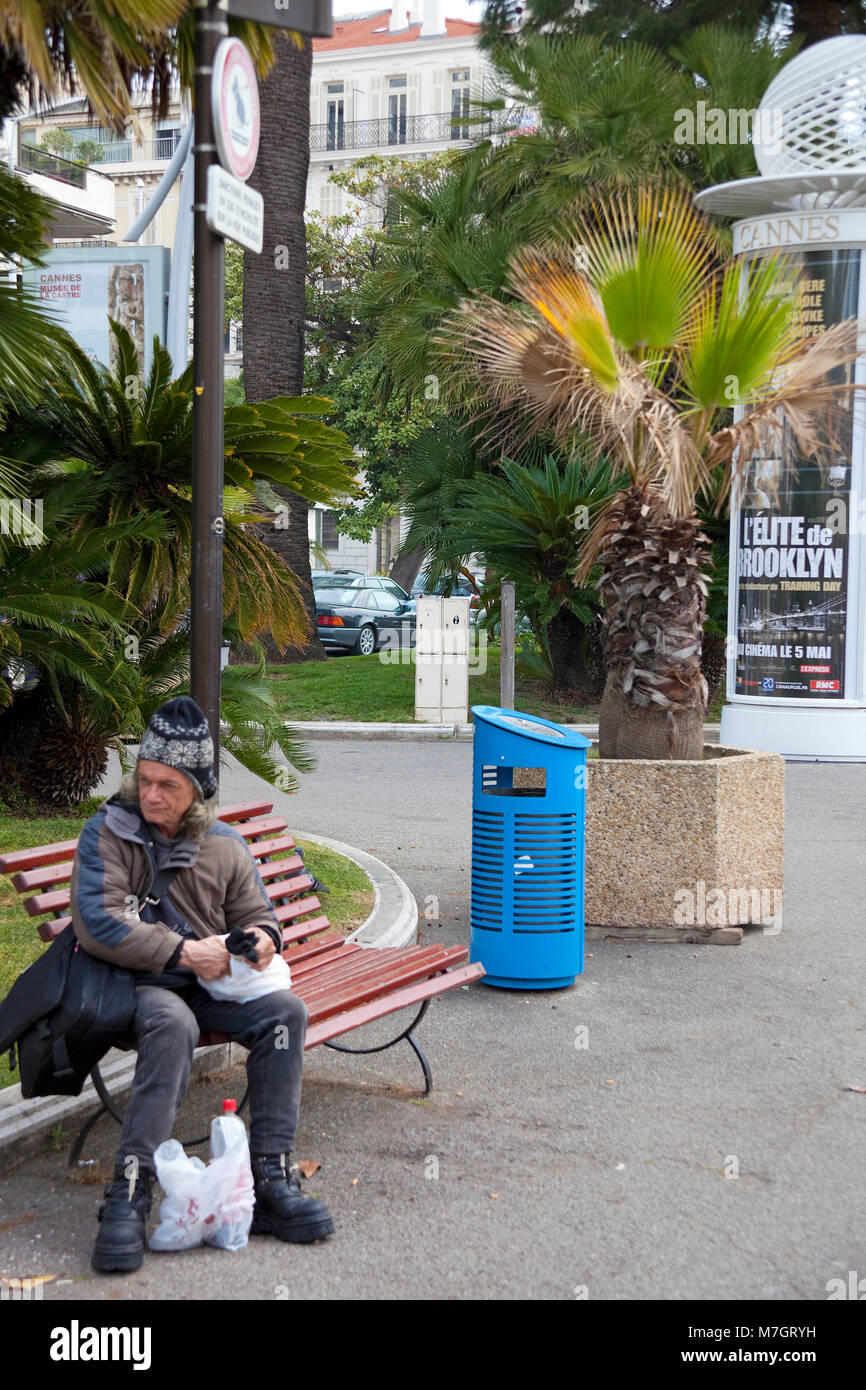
<point>229,1147</point>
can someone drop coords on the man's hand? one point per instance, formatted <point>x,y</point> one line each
<point>265,947</point>
<point>208,959</point>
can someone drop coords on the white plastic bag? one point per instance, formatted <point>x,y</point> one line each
<point>211,1205</point>
<point>246,983</point>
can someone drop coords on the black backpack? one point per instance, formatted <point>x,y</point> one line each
<point>63,1014</point>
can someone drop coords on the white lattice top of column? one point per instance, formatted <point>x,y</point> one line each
<point>813,115</point>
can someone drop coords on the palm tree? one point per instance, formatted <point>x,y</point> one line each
<point>604,117</point>
<point>111,460</point>
<point>645,353</point>
<point>135,445</point>
<point>274,283</point>
<point>54,46</point>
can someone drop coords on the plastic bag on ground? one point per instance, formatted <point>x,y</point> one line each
<point>210,1205</point>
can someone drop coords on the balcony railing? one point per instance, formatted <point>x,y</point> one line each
<point>52,166</point>
<point>402,130</point>
<point>133,151</point>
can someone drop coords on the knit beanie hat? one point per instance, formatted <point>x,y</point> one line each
<point>178,735</point>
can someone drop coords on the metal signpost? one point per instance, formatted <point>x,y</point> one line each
<point>226,144</point>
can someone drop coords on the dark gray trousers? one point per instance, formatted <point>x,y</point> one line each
<point>165,1032</point>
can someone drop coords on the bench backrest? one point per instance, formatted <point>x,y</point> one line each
<point>45,872</point>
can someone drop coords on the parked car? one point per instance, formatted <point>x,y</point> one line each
<point>360,619</point>
<point>334,577</point>
<point>363,581</point>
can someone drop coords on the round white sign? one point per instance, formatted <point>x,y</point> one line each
<point>236,115</point>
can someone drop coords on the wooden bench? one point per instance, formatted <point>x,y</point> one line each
<point>344,985</point>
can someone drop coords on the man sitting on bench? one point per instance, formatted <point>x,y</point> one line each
<point>162,824</point>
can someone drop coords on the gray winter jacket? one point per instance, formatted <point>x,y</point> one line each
<point>216,888</point>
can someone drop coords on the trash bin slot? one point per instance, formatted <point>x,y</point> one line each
<point>542,931</point>
<point>532,726</point>
<point>513,781</point>
<point>542,824</point>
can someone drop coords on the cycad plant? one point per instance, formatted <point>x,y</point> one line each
<point>94,617</point>
<point>134,443</point>
<point>524,518</point>
<point>644,352</point>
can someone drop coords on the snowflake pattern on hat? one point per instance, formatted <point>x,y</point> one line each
<point>178,736</point>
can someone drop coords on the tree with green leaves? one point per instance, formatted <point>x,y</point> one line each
<point>523,519</point>
<point>111,456</point>
<point>643,351</point>
<point>664,24</point>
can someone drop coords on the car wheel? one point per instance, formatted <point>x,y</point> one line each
<point>367,640</point>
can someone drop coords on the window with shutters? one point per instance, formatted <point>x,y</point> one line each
<point>460,104</point>
<point>335,120</point>
<point>331,200</point>
<point>397,110</point>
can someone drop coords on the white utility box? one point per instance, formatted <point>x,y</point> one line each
<point>442,660</point>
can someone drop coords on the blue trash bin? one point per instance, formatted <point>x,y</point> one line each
<point>528,834</point>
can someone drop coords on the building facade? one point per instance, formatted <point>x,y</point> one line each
<point>390,82</point>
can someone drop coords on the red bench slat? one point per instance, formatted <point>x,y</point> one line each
<point>286,887</point>
<point>302,929</point>
<point>352,983</point>
<point>363,991</point>
<point>32,858</point>
<point>261,848</point>
<point>273,825</point>
<point>366,1013</point>
<point>245,810</point>
<point>43,878</point>
<point>313,948</point>
<point>52,927</point>
<point>278,867</point>
<point>290,911</point>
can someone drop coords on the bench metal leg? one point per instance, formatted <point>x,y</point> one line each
<point>413,1043</point>
<point>106,1108</point>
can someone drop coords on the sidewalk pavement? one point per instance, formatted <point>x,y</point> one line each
<point>704,1145</point>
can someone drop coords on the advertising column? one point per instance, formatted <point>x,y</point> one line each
<point>794,603</point>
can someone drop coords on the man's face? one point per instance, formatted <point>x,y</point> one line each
<point>164,795</point>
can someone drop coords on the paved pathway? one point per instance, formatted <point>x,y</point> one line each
<point>535,1167</point>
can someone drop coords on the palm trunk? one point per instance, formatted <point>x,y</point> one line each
<point>274,285</point>
<point>817,20</point>
<point>569,641</point>
<point>406,568</point>
<point>654,595</point>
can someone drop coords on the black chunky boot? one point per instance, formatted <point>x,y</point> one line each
<point>281,1208</point>
<point>123,1222</point>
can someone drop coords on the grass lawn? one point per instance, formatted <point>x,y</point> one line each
<point>347,904</point>
<point>370,690</point>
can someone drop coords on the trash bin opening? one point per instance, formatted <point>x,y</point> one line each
<point>513,781</point>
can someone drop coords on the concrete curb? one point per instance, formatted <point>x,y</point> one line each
<point>344,729</point>
<point>394,919</point>
<point>26,1125</point>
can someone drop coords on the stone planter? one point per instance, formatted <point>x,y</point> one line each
<point>685,851</point>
